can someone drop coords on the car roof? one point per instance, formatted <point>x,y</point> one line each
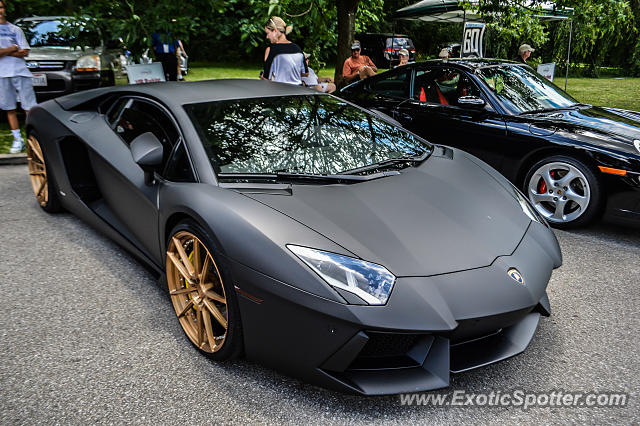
<point>43,18</point>
<point>383,34</point>
<point>471,63</point>
<point>180,93</point>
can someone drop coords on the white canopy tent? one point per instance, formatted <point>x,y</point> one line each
<point>451,11</point>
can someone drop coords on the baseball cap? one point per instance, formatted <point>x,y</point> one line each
<point>355,45</point>
<point>525,48</point>
<point>403,52</point>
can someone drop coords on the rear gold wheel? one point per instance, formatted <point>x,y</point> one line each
<point>197,292</point>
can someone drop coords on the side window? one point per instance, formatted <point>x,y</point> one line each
<point>442,86</point>
<point>178,168</point>
<point>396,85</point>
<point>140,117</point>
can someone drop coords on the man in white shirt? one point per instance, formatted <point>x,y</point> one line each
<point>321,84</point>
<point>15,78</point>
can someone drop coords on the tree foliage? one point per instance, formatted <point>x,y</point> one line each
<point>604,31</point>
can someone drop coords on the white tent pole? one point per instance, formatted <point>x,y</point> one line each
<point>566,75</point>
<point>464,20</point>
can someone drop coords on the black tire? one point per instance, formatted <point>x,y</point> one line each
<point>232,346</point>
<point>37,161</point>
<point>580,193</point>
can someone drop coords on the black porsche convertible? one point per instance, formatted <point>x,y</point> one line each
<point>301,230</point>
<point>573,161</point>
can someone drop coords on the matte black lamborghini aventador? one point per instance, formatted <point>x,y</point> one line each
<point>301,230</point>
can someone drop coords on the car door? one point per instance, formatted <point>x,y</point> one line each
<point>132,203</point>
<point>433,111</point>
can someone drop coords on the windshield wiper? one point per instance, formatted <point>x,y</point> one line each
<point>416,159</point>
<point>280,177</point>
<point>543,110</point>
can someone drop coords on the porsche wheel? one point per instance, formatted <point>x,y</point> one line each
<point>42,180</point>
<point>564,190</point>
<point>201,295</point>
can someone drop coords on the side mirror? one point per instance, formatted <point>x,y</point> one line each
<point>147,152</point>
<point>471,101</point>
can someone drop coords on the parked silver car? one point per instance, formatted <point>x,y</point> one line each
<point>58,66</point>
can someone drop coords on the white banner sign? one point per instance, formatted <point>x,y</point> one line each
<point>145,73</point>
<point>472,39</point>
<point>547,70</point>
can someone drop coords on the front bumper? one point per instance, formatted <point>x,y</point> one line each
<point>430,327</point>
<point>63,82</point>
<point>623,198</point>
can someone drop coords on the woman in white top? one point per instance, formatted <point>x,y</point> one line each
<point>283,60</point>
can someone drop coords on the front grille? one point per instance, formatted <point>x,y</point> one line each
<point>47,66</point>
<point>389,350</point>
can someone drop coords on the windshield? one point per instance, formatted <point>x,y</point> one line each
<point>56,33</point>
<point>522,90</point>
<point>297,134</point>
<point>399,43</point>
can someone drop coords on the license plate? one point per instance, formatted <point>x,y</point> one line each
<point>39,80</point>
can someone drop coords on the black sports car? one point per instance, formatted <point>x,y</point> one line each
<point>301,230</point>
<point>574,161</point>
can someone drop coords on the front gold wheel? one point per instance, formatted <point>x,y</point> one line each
<point>197,292</point>
<point>37,170</point>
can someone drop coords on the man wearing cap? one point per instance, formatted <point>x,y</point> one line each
<point>357,66</point>
<point>523,53</point>
<point>403,56</point>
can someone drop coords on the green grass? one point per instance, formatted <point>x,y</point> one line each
<point>208,71</point>
<point>613,92</point>
<point>5,137</point>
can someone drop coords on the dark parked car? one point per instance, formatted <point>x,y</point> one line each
<point>572,160</point>
<point>58,67</point>
<point>302,230</point>
<point>383,48</point>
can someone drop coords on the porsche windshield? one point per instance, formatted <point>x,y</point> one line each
<point>297,134</point>
<point>522,90</point>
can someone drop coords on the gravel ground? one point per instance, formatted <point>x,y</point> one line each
<point>87,336</point>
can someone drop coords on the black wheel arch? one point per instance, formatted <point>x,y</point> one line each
<point>527,162</point>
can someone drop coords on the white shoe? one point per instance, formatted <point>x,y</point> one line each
<point>17,146</point>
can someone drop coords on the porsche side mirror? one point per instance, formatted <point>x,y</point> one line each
<point>147,151</point>
<point>471,102</point>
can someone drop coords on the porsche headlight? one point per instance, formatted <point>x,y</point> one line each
<point>371,282</point>
<point>88,63</point>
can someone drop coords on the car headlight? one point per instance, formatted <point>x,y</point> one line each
<point>636,143</point>
<point>88,63</point>
<point>528,209</point>
<point>371,282</point>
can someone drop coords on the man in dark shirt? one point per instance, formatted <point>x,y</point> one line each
<point>164,47</point>
<point>523,53</point>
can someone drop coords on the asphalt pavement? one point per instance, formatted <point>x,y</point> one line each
<point>87,336</point>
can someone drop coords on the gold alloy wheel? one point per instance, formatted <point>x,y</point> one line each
<point>197,293</point>
<point>37,170</point>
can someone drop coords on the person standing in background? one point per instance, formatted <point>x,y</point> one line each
<point>164,47</point>
<point>15,78</point>
<point>523,53</point>
<point>180,53</point>
<point>283,60</point>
